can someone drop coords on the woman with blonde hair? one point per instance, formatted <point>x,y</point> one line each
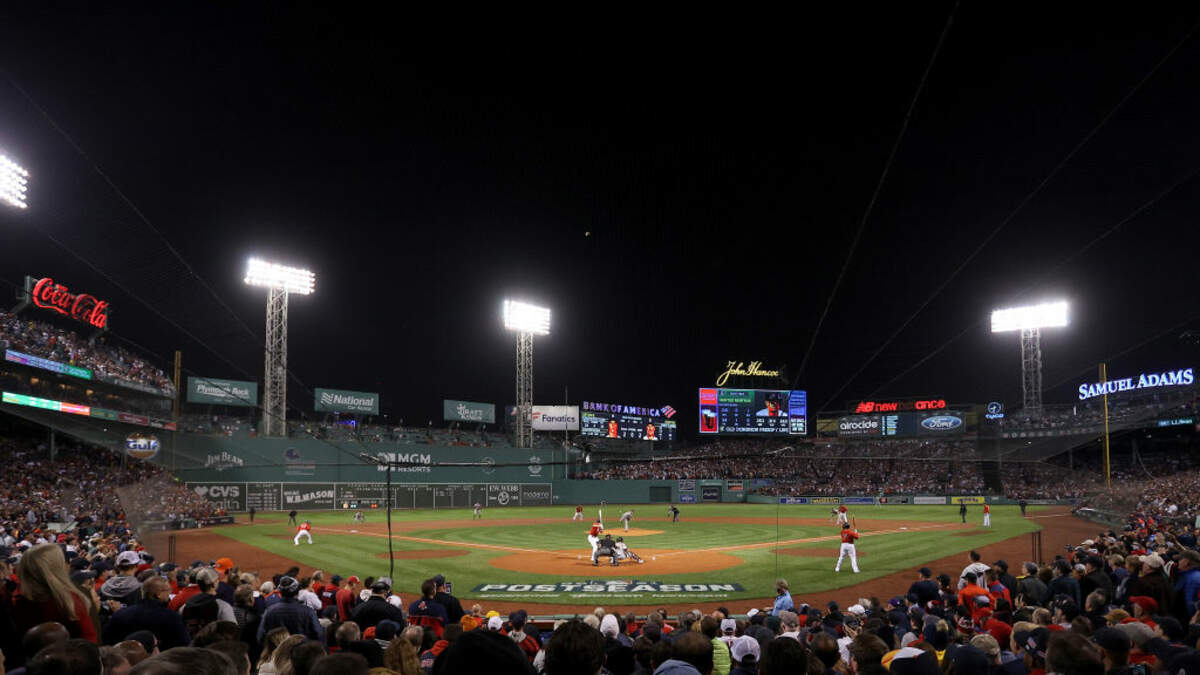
<point>271,642</point>
<point>401,657</point>
<point>47,594</point>
<point>281,660</point>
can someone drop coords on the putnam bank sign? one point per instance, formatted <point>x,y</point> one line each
<point>608,586</point>
<point>222,392</point>
<point>337,400</point>
<point>740,369</point>
<point>1171,378</point>
<point>48,294</point>
<point>468,411</point>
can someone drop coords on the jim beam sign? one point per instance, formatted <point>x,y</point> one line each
<point>742,369</point>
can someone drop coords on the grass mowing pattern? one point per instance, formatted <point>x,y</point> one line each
<point>346,554</point>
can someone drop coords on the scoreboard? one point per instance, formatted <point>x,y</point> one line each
<point>626,426</point>
<point>754,411</point>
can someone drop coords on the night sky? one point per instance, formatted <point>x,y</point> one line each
<point>679,193</point>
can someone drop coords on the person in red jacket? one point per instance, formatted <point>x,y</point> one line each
<point>966,596</point>
<point>47,594</point>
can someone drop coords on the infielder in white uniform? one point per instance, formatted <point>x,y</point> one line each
<point>304,530</point>
<point>626,517</point>
<point>848,537</point>
<point>623,552</point>
<point>843,516</point>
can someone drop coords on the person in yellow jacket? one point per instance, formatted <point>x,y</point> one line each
<point>722,663</point>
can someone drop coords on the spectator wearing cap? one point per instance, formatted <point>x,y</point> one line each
<point>527,642</point>
<point>225,568</point>
<point>454,609</point>
<point>151,614</point>
<point>291,614</point>
<point>925,588</point>
<point>1188,582</point>
<point>1096,578</point>
<point>745,652</point>
<point>347,597</point>
<point>377,608</point>
<point>425,611</point>
<point>124,587</point>
<point>1152,583</point>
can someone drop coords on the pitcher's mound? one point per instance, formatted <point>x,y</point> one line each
<point>579,563</point>
<point>424,553</point>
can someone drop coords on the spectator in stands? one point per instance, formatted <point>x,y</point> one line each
<point>340,664</point>
<point>280,661</point>
<point>205,607</point>
<point>238,654</point>
<point>124,587</point>
<point>47,594</point>
<point>347,598</point>
<point>377,608</point>
<point>454,610</point>
<point>425,611</point>
<point>75,656</point>
<point>186,660</point>
<point>1063,583</point>
<point>483,651</point>
<point>150,614</point>
<point>289,613</point>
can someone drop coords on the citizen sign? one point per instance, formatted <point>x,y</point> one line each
<point>1170,378</point>
<point>942,422</point>
<point>81,307</point>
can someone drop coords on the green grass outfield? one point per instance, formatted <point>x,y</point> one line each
<point>884,553</point>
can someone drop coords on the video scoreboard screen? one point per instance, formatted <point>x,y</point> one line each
<point>626,426</point>
<point>754,411</point>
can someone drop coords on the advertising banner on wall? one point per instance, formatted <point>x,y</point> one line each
<point>222,392</point>
<point>922,499</point>
<point>468,411</point>
<point>228,496</point>
<point>343,401</point>
<point>556,418</point>
<point>302,496</point>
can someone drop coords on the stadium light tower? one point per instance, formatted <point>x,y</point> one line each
<point>13,181</point>
<point>280,281</point>
<point>526,320</point>
<point>1030,320</point>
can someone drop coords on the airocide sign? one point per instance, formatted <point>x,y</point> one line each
<point>860,425</point>
<point>89,309</point>
<point>222,392</point>
<point>338,400</point>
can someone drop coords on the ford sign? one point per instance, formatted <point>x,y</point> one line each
<point>942,422</point>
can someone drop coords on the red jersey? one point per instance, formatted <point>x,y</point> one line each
<point>612,429</point>
<point>842,509</point>
<point>578,509</point>
<point>595,531</point>
<point>303,527</point>
<point>987,509</point>
<point>848,536</point>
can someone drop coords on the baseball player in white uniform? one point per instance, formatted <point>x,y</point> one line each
<point>623,552</point>
<point>843,516</point>
<point>626,517</point>
<point>848,549</point>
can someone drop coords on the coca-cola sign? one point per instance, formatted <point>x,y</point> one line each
<point>81,307</point>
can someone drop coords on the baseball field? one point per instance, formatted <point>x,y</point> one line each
<point>716,554</point>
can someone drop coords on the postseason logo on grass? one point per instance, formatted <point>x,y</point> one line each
<point>608,586</point>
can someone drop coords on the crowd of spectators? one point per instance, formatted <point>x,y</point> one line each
<point>1120,602</point>
<point>107,362</point>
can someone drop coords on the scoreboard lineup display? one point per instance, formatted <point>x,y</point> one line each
<point>628,427</point>
<point>753,411</point>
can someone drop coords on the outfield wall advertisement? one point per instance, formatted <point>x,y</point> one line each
<point>240,496</point>
<point>556,418</point>
<point>468,411</point>
<point>222,392</point>
<point>344,401</point>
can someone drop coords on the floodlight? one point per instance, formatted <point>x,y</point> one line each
<point>525,318</point>
<point>1046,315</point>
<point>13,181</point>
<point>281,277</point>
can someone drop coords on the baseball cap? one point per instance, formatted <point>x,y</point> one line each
<point>353,580</point>
<point>925,572</point>
<point>384,580</point>
<point>1153,560</point>
<point>438,580</point>
<point>491,613</point>
<point>751,612</point>
<point>1147,603</point>
<point>335,580</point>
<point>495,623</point>
<point>1112,640</point>
<point>395,601</point>
<point>728,625</point>
<point>289,586</point>
<point>223,565</point>
<point>129,558</point>
<point>380,587</point>
<point>743,647</point>
<point>80,576</point>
